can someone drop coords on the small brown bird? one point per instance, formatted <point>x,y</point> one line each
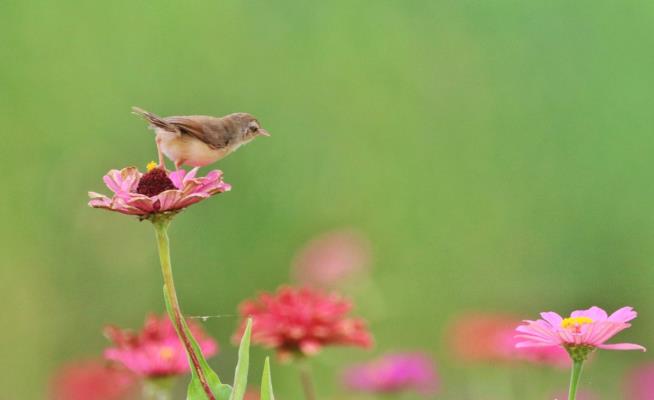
<point>199,140</point>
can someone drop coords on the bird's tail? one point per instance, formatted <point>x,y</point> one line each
<point>154,120</point>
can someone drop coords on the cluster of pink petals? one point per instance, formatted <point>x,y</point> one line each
<point>93,380</point>
<point>490,338</point>
<point>188,190</point>
<point>332,259</point>
<point>639,383</point>
<point>155,351</point>
<point>302,321</point>
<point>550,330</point>
<point>393,373</point>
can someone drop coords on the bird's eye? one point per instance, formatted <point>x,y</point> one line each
<point>253,128</point>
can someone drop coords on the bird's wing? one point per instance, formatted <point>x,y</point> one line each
<point>197,126</point>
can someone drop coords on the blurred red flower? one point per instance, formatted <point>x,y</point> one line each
<point>155,351</point>
<point>302,321</point>
<point>488,337</point>
<point>93,380</point>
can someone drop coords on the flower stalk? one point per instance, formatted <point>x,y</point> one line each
<point>161,222</point>
<point>306,379</point>
<point>574,378</point>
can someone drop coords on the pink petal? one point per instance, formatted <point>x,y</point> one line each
<point>521,345</point>
<point>177,177</point>
<point>191,174</point>
<point>594,313</point>
<point>191,199</point>
<point>169,199</point>
<point>625,314</point>
<point>622,346</point>
<point>552,318</point>
<point>143,203</point>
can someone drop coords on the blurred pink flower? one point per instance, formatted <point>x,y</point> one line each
<point>332,259</point>
<point>155,351</point>
<point>392,373</point>
<point>583,330</point>
<point>301,321</point>
<point>488,337</point>
<point>93,380</point>
<point>639,383</point>
<point>156,191</point>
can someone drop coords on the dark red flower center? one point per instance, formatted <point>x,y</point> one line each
<point>154,182</point>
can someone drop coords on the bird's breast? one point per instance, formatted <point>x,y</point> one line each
<point>189,150</point>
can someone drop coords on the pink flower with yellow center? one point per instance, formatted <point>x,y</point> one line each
<point>155,351</point>
<point>581,333</point>
<point>302,321</point>
<point>157,191</point>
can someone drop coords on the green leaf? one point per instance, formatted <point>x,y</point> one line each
<point>195,390</point>
<point>266,382</point>
<point>241,373</point>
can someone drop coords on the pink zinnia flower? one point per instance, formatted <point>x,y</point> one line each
<point>155,351</point>
<point>581,333</point>
<point>393,373</point>
<point>332,258</point>
<point>489,337</point>
<point>639,383</point>
<point>302,321</point>
<point>93,380</point>
<point>156,191</point>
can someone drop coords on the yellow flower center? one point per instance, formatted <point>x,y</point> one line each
<point>166,352</point>
<point>151,165</point>
<point>575,322</point>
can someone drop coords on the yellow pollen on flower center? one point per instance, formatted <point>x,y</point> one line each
<point>151,165</point>
<point>166,352</point>
<point>575,322</point>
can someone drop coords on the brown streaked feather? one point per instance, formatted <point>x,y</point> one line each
<point>210,130</point>
<point>154,120</point>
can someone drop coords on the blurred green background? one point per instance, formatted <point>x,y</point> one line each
<point>497,154</point>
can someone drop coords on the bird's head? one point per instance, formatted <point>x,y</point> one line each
<point>250,126</point>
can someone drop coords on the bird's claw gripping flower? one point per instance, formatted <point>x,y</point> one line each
<point>156,191</point>
<point>581,333</point>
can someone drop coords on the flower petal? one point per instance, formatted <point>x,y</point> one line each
<point>625,314</point>
<point>622,346</point>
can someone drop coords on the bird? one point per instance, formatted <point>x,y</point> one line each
<point>199,140</point>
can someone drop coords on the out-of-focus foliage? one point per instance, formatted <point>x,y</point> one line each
<point>497,154</point>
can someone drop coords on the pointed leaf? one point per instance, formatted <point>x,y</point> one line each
<point>266,382</point>
<point>241,374</point>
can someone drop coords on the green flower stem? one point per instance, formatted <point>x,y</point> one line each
<point>574,378</point>
<point>161,224</point>
<point>158,389</point>
<point>306,379</point>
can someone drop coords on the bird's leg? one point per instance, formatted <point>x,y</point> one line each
<point>162,163</point>
<point>178,164</point>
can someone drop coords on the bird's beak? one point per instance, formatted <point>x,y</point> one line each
<point>263,132</point>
